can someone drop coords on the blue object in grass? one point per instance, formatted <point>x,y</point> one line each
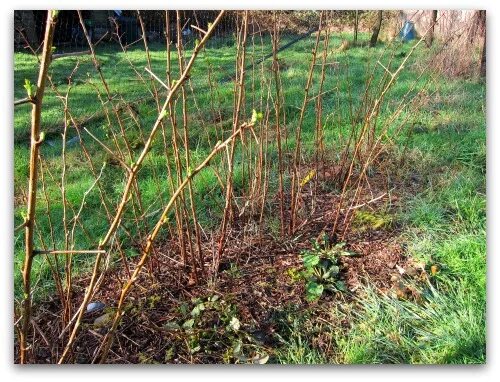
<point>407,33</point>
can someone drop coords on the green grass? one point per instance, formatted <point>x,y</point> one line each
<point>443,223</point>
<point>447,327</point>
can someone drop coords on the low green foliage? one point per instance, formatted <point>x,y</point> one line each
<point>364,220</point>
<point>211,325</point>
<point>322,269</point>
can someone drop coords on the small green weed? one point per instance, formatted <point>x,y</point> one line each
<point>210,325</point>
<point>322,269</point>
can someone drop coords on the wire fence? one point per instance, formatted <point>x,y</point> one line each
<point>110,28</point>
<point>120,29</point>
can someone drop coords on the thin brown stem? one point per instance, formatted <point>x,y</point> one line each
<point>36,140</point>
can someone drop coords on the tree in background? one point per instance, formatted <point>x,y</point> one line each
<point>429,38</point>
<point>356,22</point>
<point>482,21</point>
<point>376,29</point>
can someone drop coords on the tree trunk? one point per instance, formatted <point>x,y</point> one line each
<point>482,70</point>
<point>376,30</point>
<point>478,26</point>
<point>356,21</point>
<point>429,38</point>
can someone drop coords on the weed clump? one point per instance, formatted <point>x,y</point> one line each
<point>322,269</point>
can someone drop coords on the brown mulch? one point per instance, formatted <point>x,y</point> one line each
<point>253,281</point>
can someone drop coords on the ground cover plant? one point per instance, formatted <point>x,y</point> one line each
<point>285,195</point>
